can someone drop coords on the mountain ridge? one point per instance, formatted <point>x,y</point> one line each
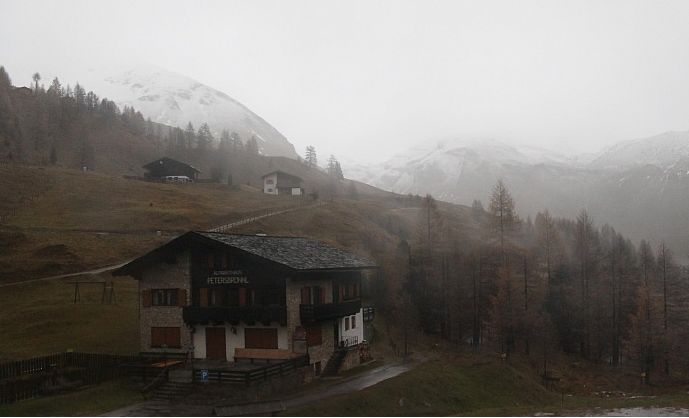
<point>174,99</point>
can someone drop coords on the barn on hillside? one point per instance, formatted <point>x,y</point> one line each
<point>165,167</point>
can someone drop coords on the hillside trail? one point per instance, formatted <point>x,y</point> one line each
<point>220,228</point>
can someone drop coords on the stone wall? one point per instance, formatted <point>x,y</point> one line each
<point>293,300</point>
<point>320,353</point>
<point>165,276</point>
<point>352,359</point>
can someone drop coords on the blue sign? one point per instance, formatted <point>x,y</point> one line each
<point>204,375</point>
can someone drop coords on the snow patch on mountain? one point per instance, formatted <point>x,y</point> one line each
<point>175,99</point>
<point>660,150</point>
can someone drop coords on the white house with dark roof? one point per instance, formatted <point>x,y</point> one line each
<point>281,183</point>
<point>246,297</point>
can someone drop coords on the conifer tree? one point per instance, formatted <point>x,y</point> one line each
<point>252,145</point>
<point>310,157</point>
<point>204,138</point>
<point>36,78</point>
<point>189,136</point>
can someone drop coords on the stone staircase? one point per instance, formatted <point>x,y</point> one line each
<point>178,385</point>
<point>334,363</point>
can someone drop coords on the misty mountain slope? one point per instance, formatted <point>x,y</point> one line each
<point>660,150</point>
<point>174,99</point>
<point>640,187</point>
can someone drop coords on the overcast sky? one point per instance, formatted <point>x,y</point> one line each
<point>363,79</point>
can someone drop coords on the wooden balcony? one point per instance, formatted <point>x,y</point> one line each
<point>326,311</point>
<point>234,314</point>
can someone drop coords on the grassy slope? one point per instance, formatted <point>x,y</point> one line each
<point>476,385</point>
<point>441,387</point>
<point>54,229</point>
<point>40,318</point>
<point>55,220</point>
<point>88,402</point>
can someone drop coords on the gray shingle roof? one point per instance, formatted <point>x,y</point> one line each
<point>295,252</point>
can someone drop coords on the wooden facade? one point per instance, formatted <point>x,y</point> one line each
<point>243,295</point>
<point>166,167</point>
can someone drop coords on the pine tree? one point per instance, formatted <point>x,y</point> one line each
<point>310,157</point>
<point>252,145</point>
<point>237,145</point>
<point>36,78</point>
<point>504,217</point>
<point>332,166</point>
<point>504,220</point>
<point>5,82</point>
<point>225,144</point>
<point>55,88</point>
<point>79,96</point>
<point>204,138</point>
<point>189,136</point>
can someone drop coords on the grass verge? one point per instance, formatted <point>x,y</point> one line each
<point>87,402</point>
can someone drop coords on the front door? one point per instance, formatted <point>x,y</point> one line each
<point>215,343</point>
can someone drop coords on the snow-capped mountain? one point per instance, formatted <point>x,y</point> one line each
<point>454,169</point>
<point>661,151</point>
<point>174,99</point>
<point>639,187</point>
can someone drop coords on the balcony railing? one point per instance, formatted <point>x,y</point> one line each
<point>325,311</point>
<point>234,314</point>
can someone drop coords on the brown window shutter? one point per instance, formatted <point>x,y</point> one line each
<point>242,296</point>
<point>305,296</point>
<point>181,297</point>
<point>321,295</point>
<point>314,335</point>
<point>146,297</point>
<point>203,297</point>
<point>172,337</point>
<point>157,336</point>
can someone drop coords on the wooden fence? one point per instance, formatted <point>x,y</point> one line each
<point>247,377</point>
<point>24,379</point>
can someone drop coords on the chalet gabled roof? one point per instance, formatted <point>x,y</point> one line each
<point>296,253</point>
<point>168,160</point>
<point>283,173</point>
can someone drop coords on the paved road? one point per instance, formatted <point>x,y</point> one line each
<point>365,379</point>
<point>362,381</point>
<point>628,412</point>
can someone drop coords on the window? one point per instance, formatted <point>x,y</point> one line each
<point>353,322</point>
<point>165,337</point>
<point>233,297</point>
<point>266,338</point>
<point>347,324</point>
<point>314,335</point>
<point>312,295</point>
<point>270,190</point>
<point>217,296</point>
<point>305,295</point>
<point>269,181</point>
<point>164,297</point>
